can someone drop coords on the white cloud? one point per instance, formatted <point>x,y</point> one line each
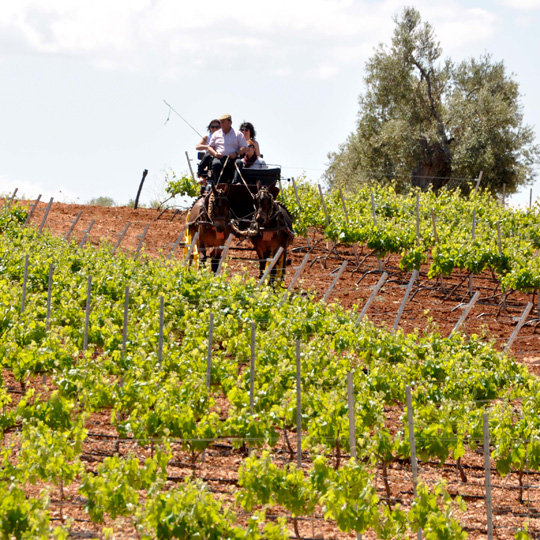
<point>521,4</point>
<point>316,38</point>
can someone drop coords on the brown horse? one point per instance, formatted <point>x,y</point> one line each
<point>273,229</point>
<point>210,217</point>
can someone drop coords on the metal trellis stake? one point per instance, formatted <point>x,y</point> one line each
<point>298,408</point>
<point>436,238</point>
<point>85,235</point>
<point>466,311</point>
<point>141,238</point>
<point>405,298</point>
<point>323,204</point>
<point>87,312</point>
<point>47,210</point>
<point>187,262</point>
<point>270,266</point>
<point>73,224</point>
<point>25,281</point>
<point>175,245</point>
<point>294,279</point>
<point>122,234</point>
<point>209,353</point>
<point>487,467</point>
<point>49,296</point>
<point>336,279</point>
<point>412,443</point>
<point>190,168</point>
<point>520,323</point>
<point>125,326</point>
<point>478,180</point>
<point>33,209</point>
<point>224,254</point>
<point>372,297</point>
<point>161,319</point>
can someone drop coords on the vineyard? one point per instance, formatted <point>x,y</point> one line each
<point>146,398</point>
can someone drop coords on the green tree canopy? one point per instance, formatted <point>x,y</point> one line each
<point>423,118</point>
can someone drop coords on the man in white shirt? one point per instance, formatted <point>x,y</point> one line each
<point>226,143</point>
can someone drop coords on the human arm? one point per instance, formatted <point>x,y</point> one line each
<point>203,143</point>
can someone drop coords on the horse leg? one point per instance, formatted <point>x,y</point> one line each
<point>215,254</point>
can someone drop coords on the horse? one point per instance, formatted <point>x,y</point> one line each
<point>210,217</point>
<point>272,229</point>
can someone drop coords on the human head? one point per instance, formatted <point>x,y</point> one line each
<point>213,125</point>
<point>247,127</point>
<point>226,122</point>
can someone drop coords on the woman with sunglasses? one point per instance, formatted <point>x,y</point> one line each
<point>249,133</point>
<point>206,161</point>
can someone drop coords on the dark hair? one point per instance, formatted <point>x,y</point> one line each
<point>249,126</point>
<point>211,122</point>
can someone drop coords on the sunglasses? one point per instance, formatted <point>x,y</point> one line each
<point>244,129</point>
<point>215,126</point>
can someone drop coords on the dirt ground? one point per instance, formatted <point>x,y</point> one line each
<point>439,302</point>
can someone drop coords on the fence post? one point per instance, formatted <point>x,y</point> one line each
<point>323,204</point>
<point>530,200</point>
<point>412,443</point>
<point>25,281</point>
<point>298,408</point>
<point>175,245</point>
<point>209,353</point>
<point>355,250</point>
<point>141,238</point>
<point>336,278</point>
<point>499,243</point>
<point>487,468</point>
<point>190,168</point>
<point>372,297</point>
<point>478,180</point>
<point>87,312</point>
<point>405,298</point>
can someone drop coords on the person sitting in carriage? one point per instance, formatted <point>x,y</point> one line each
<point>252,160</point>
<point>206,162</point>
<point>226,148</point>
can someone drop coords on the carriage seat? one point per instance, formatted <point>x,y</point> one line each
<point>266,177</point>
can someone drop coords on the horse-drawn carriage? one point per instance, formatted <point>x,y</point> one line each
<point>246,210</point>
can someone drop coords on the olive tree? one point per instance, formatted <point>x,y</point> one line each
<point>426,119</point>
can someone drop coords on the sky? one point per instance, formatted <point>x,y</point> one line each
<point>83,84</point>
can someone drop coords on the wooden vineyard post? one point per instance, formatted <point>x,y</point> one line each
<point>375,224</point>
<point>520,323</point>
<point>175,245</point>
<point>504,196</point>
<point>299,206</point>
<point>417,217</point>
<point>270,266</point>
<point>294,279</point>
<point>433,222</point>
<point>487,468</point>
<point>87,313</point>
<point>32,210</point>
<point>86,233</point>
<point>355,248</point>
<point>499,243</point>
<point>336,279</point>
<point>530,200</point>
<point>187,261</point>
<point>372,297</point>
<point>141,238</point>
<point>161,321</point>
<point>352,424</point>
<point>224,254</point>
<point>25,281</point>
<point>47,210</point>
<point>209,353</point>
<point>405,298</point>
<point>298,408</point>
<point>122,234</point>
<point>466,311</point>
<point>49,296</point>
<point>412,443</point>
<point>73,225</point>
<point>125,326</point>
<point>10,202</point>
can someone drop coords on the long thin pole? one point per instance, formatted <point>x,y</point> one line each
<point>224,254</point>
<point>372,297</point>
<point>412,443</point>
<point>87,312</point>
<point>86,233</point>
<point>125,326</point>
<point>520,323</point>
<point>25,281</point>
<point>175,245</point>
<point>323,205</point>
<point>295,279</point>
<point>141,238</point>
<point>122,234</point>
<point>47,210</point>
<point>405,298</point>
<point>298,408</point>
<point>209,352</point>
<point>187,262</point>
<point>49,295</point>
<point>270,266</point>
<point>161,321</point>
<point>73,224</point>
<point>487,468</point>
<point>466,311</point>
<point>31,213</point>
<point>334,282</point>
